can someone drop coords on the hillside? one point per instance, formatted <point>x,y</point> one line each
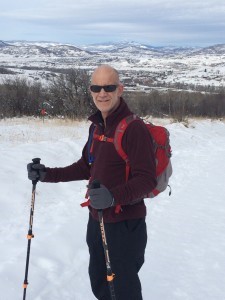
<point>141,66</point>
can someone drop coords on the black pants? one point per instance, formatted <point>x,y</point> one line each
<point>126,243</point>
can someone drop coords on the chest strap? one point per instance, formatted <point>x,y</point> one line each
<point>102,138</point>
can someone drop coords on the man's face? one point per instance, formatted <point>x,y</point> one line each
<point>106,102</point>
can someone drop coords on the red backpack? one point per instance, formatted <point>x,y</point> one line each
<point>162,150</point>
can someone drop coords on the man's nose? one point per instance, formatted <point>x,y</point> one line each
<point>102,92</point>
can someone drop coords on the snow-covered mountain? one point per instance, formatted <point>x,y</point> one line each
<point>3,44</point>
<point>215,49</point>
<point>142,66</point>
<point>137,48</point>
<point>46,49</point>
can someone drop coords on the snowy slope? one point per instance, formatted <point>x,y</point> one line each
<point>185,257</point>
<point>163,65</point>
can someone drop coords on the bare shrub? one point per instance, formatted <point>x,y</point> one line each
<point>18,97</point>
<point>69,94</point>
<point>177,104</point>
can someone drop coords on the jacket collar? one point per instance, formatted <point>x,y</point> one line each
<point>115,117</point>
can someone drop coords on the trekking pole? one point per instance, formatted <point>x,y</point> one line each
<point>110,276</point>
<point>30,233</point>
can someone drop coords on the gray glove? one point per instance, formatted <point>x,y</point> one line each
<point>36,171</point>
<point>100,198</point>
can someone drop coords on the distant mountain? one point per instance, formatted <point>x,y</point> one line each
<point>117,46</point>
<point>134,47</point>
<point>51,49</point>
<point>24,48</point>
<point>3,44</point>
<point>215,49</point>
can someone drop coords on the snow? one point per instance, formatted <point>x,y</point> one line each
<point>185,257</point>
<point>163,65</point>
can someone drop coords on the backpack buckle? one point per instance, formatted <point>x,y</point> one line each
<point>102,138</point>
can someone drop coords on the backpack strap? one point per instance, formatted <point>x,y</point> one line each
<point>118,137</point>
<point>90,145</point>
<point>90,157</point>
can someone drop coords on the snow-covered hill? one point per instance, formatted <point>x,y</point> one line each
<point>185,253</point>
<point>150,66</point>
<point>45,49</point>
<point>137,48</point>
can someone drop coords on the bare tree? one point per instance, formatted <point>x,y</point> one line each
<point>70,95</point>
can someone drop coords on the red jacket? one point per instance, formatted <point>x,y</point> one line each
<point>109,167</point>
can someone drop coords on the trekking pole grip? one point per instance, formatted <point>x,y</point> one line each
<point>35,162</point>
<point>95,184</point>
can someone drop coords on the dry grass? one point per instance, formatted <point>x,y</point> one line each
<point>28,130</point>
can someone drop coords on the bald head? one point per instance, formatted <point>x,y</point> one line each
<point>106,100</point>
<point>105,73</point>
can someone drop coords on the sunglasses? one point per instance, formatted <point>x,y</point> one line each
<point>107,88</point>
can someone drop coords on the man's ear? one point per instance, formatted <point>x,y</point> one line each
<point>120,89</point>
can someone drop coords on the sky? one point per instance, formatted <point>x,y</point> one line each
<point>79,22</point>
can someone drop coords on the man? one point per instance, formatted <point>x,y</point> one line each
<point>125,231</point>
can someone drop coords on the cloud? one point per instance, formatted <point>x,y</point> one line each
<point>158,21</point>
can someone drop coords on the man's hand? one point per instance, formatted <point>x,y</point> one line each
<point>100,198</point>
<point>36,171</point>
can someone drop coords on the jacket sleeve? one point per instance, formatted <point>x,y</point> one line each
<point>79,170</point>
<point>138,145</point>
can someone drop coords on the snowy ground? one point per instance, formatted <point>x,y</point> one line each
<point>185,257</point>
